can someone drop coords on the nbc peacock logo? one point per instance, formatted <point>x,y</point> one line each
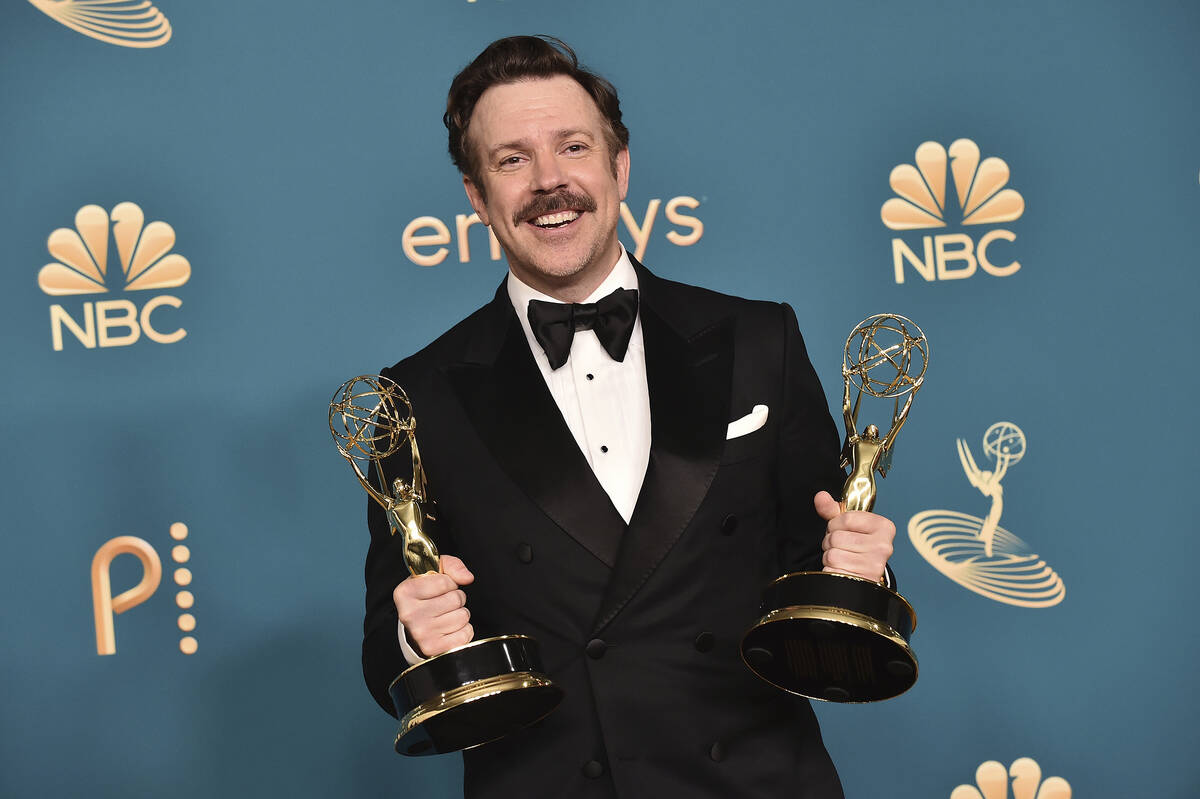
<point>977,553</point>
<point>923,202</point>
<point>1024,776</point>
<point>83,266</point>
<point>127,23</point>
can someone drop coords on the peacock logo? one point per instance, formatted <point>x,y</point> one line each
<point>83,266</point>
<point>127,23</point>
<point>992,782</point>
<point>923,201</point>
<point>979,185</point>
<point>976,552</point>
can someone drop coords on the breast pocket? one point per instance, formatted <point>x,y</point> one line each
<point>752,445</point>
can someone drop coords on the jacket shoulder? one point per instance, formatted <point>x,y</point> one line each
<point>701,307</point>
<point>450,347</point>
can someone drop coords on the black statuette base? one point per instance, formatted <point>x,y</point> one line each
<point>471,695</point>
<point>833,637</point>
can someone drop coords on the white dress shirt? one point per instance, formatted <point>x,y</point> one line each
<point>605,403</point>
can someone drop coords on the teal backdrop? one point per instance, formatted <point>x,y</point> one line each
<point>290,146</point>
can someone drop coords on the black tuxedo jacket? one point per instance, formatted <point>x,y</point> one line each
<point>638,623</point>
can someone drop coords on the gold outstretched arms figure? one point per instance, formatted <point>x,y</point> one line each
<point>988,483</point>
<point>866,453</point>
<point>406,515</point>
<point>368,424</point>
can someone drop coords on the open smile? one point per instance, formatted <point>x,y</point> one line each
<point>556,220</point>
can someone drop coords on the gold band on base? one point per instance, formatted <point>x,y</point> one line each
<point>837,616</point>
<point>472,692</point>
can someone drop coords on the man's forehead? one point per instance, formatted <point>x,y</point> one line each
<point>533,104</point>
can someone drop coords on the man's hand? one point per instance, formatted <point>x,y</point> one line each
<point>856,542</point>
<point>433,609</point>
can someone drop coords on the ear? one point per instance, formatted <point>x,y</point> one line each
<point>622,172</point>
<point>475,197</point>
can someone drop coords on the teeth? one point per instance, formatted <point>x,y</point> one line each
<point>561,218</point>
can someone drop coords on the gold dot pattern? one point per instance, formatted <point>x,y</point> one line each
<point>184,599</point>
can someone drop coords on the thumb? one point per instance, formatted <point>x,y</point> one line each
<point>456,570</point>
<point>827,507</point>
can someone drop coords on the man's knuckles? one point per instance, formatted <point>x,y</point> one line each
<point>418,611</point>
<point>838,559</point>
<point>461,637</point>
<point>864,564</point>
<point>428,632</point>
<point>858,521</point>
<point>858,542</point>
<point>423,586</point>
<point>444,643</point>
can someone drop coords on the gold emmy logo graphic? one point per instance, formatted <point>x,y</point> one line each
<point>128,23</point>
<point>105,606</point>
<point>82,268</point>
<point>979,187</point>
<point>978,553</point>
<point>429,231</point>
<point>992,782</point>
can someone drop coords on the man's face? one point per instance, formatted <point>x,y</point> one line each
<point>550,190</point>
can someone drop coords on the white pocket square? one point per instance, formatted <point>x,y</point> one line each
<point>748,423</point>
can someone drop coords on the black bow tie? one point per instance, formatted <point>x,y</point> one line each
<point>612,317</point>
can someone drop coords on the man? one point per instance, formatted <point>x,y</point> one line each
<point>592,486</point>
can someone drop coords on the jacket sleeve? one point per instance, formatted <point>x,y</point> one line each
<point>808,454</point>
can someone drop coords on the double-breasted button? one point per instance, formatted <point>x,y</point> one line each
<point>593,769</point>
<point>596,648</point>
<point>524,552</point>
<point>729,524</point>
<point>704,641</point>
<point>717,752</point>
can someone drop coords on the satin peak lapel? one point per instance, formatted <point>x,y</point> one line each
<point>689,382</point>
<point>516,417</point>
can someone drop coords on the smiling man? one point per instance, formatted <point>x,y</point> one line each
<point>549,179</point>
<point>621,463</point>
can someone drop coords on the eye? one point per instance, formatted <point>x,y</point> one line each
<point>510,161</point>
<point>575,149</point>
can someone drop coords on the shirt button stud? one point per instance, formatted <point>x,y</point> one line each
<point>603,448</point>
<point>591,377</point>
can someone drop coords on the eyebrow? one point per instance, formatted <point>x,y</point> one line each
<point>521,144</point>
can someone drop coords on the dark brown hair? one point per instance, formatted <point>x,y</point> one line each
<point>518,58</point>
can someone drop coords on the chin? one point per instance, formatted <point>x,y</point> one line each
<point>560,267</point>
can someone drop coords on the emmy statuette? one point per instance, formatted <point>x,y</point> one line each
<point>474,693</point>
<point>832,636</point>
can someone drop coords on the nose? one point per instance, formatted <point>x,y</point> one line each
<point>548,174</point>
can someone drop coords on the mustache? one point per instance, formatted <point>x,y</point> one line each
<point>563,200</point>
